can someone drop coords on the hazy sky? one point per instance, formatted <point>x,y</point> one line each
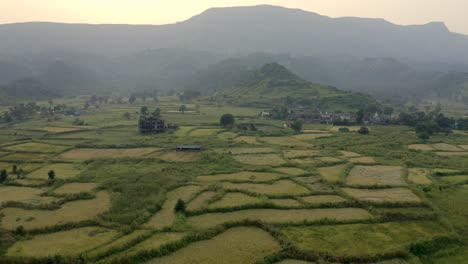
<point>452,12</point>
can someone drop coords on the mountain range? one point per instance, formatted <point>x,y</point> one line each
<point>218,48</point>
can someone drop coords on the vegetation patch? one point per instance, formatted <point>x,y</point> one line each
<point>286,202</point>
<point>463,147</point>
<point>201,200</point>
<point>23,195</point>
<point>311,136</point>
<point>63,129</point>
<point>64,243</point>
<point>241,176</point>
<point>291,154</point>
<point>247,139</point>
<point>282,187</point>
<point>294,261</point>
<point>329,159</point>
<point>260,160</point>
<point>376,176</point>
<point>363,160</point>
<point>240,245</point>
<point>118,244</point>
<point>36,147</point>
<point>455,179</point>
<point>166,216</point>
<point>175,156</point>
<point>367,239</point>
<point>419,176</point>
<point>26,157</point>
<point>90,153</point>
<point>461,153</point>
<point>445,147</point>
<point>238,151</point>
<point>421,147</point>
<point>152,243</point>
<point>323,199</point>
<point>72,212</point>
<point>349,154</point>
<point>62,171</point>
<point>391,195</point>
<point>204,132</point>
<point>184,130</point>
<point>291,171</point>
<point>227,135</point>
<point>285,141</point>
<point>276,216</point>
<point>235,199</point>
<point>332,174</point>
<point>75,188</point>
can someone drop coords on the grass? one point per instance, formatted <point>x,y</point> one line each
<point>241,245</point>
<point>71,212</point>
<point>464,153</point>
<point>463,147</point>
<point>36,147</point>
<point>62,171</point>
<point>201,200</point>
<point>260,160</point>
<point>367,239</point>
<point>376,176</point>
<point>64,243</point>
<point>276,216</point>
<point>175,156</point>
<point>291,171</point>
<point>227,135</point>
<point>282,187</point>
<point>291,154</point>
<point>117,244</point>
<point>26,157</point>
<point>392,195</point>
<point>285,141</point>
<point>152,243</point>
<point>204,132</point>
<point>75,188</point>
<point>247,139</point>
<point>62,129</point>
<point>241,176</point>
<point>349,154</point>
<point>419,176</point>
<point>323,199</point>
<point>420,147</point>
<point>184,130</point>
<point>286,202</point>
<point>311,136</point>
<point>89,153</point>
<point>166,216</point>
<point>363,160</point>
<point>238,151</point>
<point>455,179</point>
<point>445,147</point>
<point>235,199</point>
<point>24,195</point>
<point>332,174</point>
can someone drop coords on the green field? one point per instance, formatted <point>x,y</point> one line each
<point>261,196</point>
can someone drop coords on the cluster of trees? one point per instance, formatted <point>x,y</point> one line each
<point>19,172</point>
<point>23,111</point>
<point>227,120</point>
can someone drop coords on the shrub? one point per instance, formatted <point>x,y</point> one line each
<point>343,129</point>
<point>363,130</point>
<point>180,206</point>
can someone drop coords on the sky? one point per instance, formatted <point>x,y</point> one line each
<point>404,12</point>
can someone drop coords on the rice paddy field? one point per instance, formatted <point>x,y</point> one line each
<point>265,196</point>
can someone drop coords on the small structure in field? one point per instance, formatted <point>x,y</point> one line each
<point>189,148</point>
<point>151,124</point>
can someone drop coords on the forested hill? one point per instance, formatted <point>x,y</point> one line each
<point>273,84</point>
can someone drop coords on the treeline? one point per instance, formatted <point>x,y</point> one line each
<point>24,111</point>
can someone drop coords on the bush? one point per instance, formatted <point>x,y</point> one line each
<point>180,206</point>
<point>363,130</point>
<point>297,126</point>
<point>343,129</point>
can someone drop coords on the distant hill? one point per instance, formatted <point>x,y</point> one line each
<point>24,89</point>
<point>273,85</point>
<point>247,29</point>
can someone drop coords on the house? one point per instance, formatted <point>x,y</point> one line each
<point>189,148</point>
<point>264,115</point>
<point>151,124</point>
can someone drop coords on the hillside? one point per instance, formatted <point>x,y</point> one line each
<point>273,84</point>
<point>247,29</point>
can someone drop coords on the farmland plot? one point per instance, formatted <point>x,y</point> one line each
<point>392,195</point>
<point>419,176</point>
<point>260,160</point>
<point>282,187</point>
<point>89,153</point>
<point>376,176</point>
<point>241,176</point>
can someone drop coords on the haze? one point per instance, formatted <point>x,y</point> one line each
<point>452,12</point>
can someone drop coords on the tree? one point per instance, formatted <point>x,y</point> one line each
<point>3,175</point>
<point>227,120</point>
<point>51,175</point>
<point>14,169</point>
<point>132,99</point>
<point>180,206</point>
<point>363,130</point>
<point>182,109</point>
<point>424,136</point>
<point>144,110</point>
<point>127,115</point>
<point>360,117</point>
<point>297,126</point>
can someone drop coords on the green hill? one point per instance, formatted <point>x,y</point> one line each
<point>273,84</point>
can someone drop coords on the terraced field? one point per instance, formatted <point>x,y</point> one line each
<point>263,196</point>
